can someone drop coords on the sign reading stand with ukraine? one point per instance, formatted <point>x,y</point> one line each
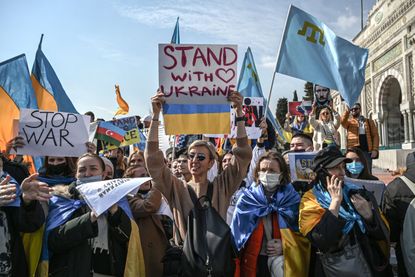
<point>196,80</point>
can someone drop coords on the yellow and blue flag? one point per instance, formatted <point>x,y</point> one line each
<point>249,86</point>
<point>49,91</point>
<point>16,92</point>
<point>176,34</point>
<point>311,51</point>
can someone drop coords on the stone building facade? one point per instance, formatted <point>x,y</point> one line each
<point>389,90</point>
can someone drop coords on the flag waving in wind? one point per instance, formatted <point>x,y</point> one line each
<point>109,132</point>
<point>16,92</point>
<point>123,107</point>
<point>249,86</point>
<point>312,52</point>
<point>49,91</point>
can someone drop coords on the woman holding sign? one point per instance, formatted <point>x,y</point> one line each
<point>81,242</point>
<point>201,157</point>
<point>325,128</point>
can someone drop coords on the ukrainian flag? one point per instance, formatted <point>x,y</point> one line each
<point>49,91</point>
<point>197,119</point>
<point>15,92</point>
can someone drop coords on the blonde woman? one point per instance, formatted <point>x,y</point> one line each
<point>325,127</point>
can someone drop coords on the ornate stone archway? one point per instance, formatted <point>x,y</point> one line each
<point>391,121</point>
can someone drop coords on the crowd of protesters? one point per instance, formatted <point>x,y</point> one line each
<point>325,227</point>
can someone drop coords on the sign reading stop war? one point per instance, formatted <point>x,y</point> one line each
<point>48,133</point>
<point>198,74</point>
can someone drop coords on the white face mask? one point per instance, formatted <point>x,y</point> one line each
<point>90,179</point>
<point>269,180</point>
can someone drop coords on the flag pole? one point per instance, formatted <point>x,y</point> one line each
<point>276,64</point>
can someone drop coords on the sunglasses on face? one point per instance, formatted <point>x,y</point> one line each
<point>325,113</point>
<point>355,109</point>
<point>200,156</point>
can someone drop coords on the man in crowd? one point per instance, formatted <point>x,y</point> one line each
<point>361,132</point>
<point>396,199</point>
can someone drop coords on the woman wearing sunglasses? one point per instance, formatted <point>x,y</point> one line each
<point>201,157</point>
<point>325,127</point>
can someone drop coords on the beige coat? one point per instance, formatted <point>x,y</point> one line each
<point>175,190</point>
<point>153,238</point>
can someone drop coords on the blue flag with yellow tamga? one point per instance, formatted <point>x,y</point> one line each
<point>311,51</point>
<point>49,91</point>
<point>15,92</point>
<point>249,86</point>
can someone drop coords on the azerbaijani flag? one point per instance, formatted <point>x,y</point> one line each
<point>109,132</point>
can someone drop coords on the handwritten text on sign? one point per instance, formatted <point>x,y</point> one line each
<point>48,133</point>
<point>197,73</point>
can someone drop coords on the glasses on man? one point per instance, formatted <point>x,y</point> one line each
<point>355,109</point>
<point>199,156</point>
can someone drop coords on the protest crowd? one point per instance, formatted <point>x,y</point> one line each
<point>285,201</point>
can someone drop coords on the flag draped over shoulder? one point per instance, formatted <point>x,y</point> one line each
<point>49,91</point>
<point>249,86</point>
<point>123,107</point>
<point>60,211</point>
<point>176,34</point>
<point>16,92</point>
<point>311,51</point>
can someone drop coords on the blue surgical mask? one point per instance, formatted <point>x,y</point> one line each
<point>355,168</point>
<point>90,179</point>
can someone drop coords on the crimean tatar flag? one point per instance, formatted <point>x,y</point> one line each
<point>49,91</point>
<point>311,51</point>
<point>109,132</point>
<point>16,92</point>
<point>123,107</point>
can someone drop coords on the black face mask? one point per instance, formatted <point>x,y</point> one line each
<point>54,170</point>
<point>140,126</point>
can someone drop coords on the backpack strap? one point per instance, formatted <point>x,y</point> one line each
<point>409,183</point>
<point>194,196</point>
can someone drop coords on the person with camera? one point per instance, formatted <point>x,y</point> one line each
<point>343,223</point>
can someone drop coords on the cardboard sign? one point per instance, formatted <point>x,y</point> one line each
<point>300,166</point>
<point>197,74</point>
<point>132,135</point>
<point>374,186</point>
<point>48,133</point>
<point>100,196</point>
<point>253,109</point>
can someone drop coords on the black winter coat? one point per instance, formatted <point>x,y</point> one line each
<point>70,244</point>
<point>396,200</point>
<point>27,219</point>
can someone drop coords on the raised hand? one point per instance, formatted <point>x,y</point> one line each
<point>7,192</point>
<point>33,189</point>
<point>157,102</point>
<point>335,189</point>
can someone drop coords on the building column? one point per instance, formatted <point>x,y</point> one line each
<point>380,131</point>
<point>411,126</point>
<point>405,126</point>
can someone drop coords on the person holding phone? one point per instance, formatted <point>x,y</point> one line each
<point>339,220</point>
